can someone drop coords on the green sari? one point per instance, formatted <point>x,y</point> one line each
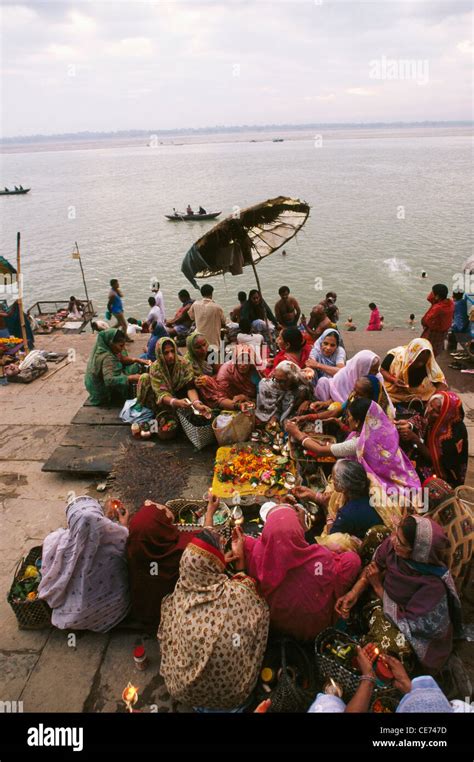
<point>200,366</point>
<point>105,375</point>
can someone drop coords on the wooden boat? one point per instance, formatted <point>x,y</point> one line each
<point>19,192</point>
<point>278,140</point>
<point>180,216</point>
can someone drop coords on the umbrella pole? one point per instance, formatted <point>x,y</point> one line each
<point>260,292</point>
<point>20,298</point>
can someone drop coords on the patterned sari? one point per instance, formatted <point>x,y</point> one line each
<point>163,381</point>
<point>447,440</point>
<point>403,357</point>
<point>213,632</point>
<point>420,598</point>
<point>394,481</point>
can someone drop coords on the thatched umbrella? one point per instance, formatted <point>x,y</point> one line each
<point>6,268</point>
<point>245,238</point>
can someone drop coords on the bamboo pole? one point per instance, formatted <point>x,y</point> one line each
<point>20,297</point>
<point>82,270</point>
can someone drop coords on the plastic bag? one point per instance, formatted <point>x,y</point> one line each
<point>133,412</point>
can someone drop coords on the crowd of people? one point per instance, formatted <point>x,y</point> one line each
<point>394,541</point>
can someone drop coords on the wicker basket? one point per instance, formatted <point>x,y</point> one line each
<point>165,435</point>
<point>30,615</point>
<point>199,436</point>
<point>328,667</point>
<point>183,504</point>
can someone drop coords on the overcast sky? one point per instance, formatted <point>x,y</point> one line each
<point>79,65</point>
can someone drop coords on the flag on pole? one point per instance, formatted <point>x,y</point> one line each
<point>76,255</point>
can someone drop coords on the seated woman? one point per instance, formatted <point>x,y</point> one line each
<point>109,370</point>
<point>158,331</point>
<point>170,383</point>
<point>356,515</point>
<point>213,629</point>
<point>84,569</point>
<point>257,311</point>
<point>339,387</point>
<point>374,443</point>
<point>197,351</point>
<point>300,582</point>
<point>236,381</point>
<point>439,445</point>
<point>282,394</point>
<point>327,356</point>
<point>368,387</point>
<point>416,592</point>
<point>153,538</point>
<point>411,371</point>
<point>293,347</point>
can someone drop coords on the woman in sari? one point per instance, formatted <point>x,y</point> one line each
<point>281,394</point>
<point>411,372</point>
<point>170,383</point>
<point>439,444</point>
<point>367,387</point>
<point>300,582</point>
<point>292,347</point>
<point>154,550</point>
<point>416,592</point>
<point>213,630</point>
<point>110,371</point>
<point>158,332</point>
<point>236,381</point>
<point>339,387</point>
<point>84,569</point>
<point>327,355</point>
<point>374,443</point>
<point>197,350</point>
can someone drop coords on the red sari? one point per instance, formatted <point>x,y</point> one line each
<point>153,538</point>
<point>300,582</point>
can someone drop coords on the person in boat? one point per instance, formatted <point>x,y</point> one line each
<point>21,187</point>
<point>175,213</point>
<point>6,189</point>
<point>189,210</point>
<point>16,188</point>
<point>202,210</point>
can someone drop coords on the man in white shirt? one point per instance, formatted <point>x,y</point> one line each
<point>208,316</point>
<point>245,336</point>
<point>155,315</point>
<point>160,302</point>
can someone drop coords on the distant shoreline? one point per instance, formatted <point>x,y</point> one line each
<point>251,133</point>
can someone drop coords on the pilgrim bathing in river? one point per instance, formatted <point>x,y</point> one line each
<point>349,522</point>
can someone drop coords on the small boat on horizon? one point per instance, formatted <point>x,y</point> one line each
<point>16,192</point>
<point>278,140</point>
<point>180,216</point>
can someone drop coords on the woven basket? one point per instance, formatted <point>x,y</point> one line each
<point>183,504</point>
<point>287,695</point>
<point>328,667</point>
<point>30,615</point>
<point>199,436</point>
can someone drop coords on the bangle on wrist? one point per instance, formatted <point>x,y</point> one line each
<point>369,678</point>
<point>172,401</point>
<point>304,440</point>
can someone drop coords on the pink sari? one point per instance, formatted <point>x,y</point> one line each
<point>300,582</point>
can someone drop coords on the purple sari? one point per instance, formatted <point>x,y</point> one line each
<point>419,594</point>
<point>379,452</point>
